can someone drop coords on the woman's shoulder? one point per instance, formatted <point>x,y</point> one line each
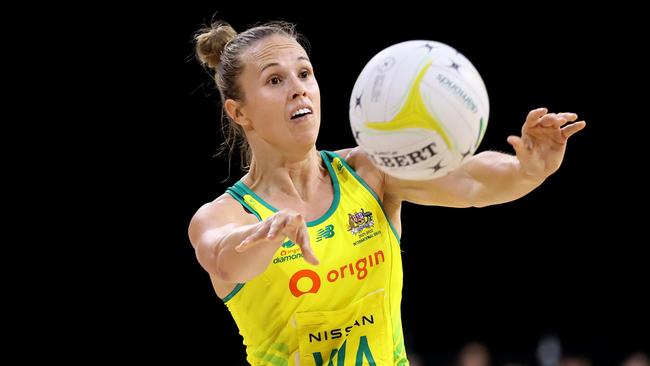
<point>223,209</point>
<point>358,160</point>
<point>354,157</point>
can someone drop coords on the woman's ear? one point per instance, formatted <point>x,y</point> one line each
<point>233,109</point>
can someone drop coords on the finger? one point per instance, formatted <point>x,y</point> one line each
<point>547,120</point>
<point>304,235</point>
<point>534,116</point>
<point>570,117</point>
<point>564,118</point>
<point>253,239</point>
<point>297,231</point>
<point>247,244</point>
<point>294,224</point>
<point>305,247</point>
<point>517,144</point>
<point>571,129</point>
<point>276,227</point>
<point>292,231</point>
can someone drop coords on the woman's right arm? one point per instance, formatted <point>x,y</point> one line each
<point>235,247</point>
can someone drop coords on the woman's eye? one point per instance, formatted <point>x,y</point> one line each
<point>274,80</point>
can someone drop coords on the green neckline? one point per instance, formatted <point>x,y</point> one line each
<point>326,215</point>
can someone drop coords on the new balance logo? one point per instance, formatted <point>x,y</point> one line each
<point>326,232</point>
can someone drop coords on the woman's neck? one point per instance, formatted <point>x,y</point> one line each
<point>282,175</point>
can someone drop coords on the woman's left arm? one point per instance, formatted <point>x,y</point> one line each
<point>491,177</point>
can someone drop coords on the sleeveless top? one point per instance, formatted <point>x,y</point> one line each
<point>346,310</point>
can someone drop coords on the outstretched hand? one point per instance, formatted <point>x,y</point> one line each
<point>542,144</point>
<point>275,229</point>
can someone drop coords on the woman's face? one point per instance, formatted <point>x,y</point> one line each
<point>281,105</point>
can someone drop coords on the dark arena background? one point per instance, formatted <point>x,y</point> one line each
<point>563,262</point>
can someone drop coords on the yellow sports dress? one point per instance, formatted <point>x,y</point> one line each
<point>343,312</point>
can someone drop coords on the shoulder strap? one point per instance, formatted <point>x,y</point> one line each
<point>251,201</point>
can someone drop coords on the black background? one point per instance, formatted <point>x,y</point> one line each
<point>566,259</point>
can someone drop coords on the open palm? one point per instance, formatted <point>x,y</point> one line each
<point>542,144</point>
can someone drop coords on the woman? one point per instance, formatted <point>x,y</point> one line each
<point>304,249</point>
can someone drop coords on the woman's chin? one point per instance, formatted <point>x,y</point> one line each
<point>306,138</point>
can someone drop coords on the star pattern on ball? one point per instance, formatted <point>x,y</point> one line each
<point>437,167</point>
